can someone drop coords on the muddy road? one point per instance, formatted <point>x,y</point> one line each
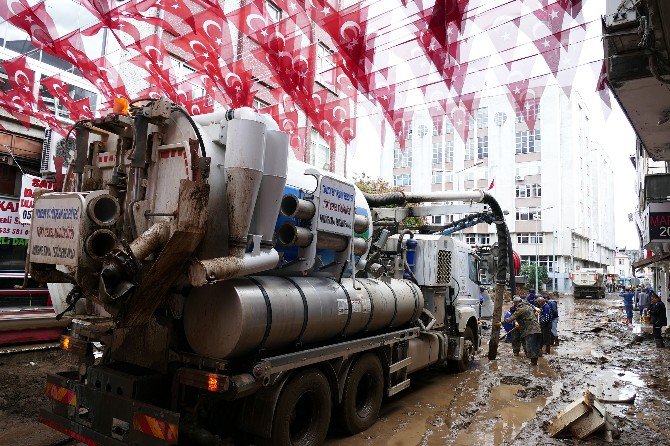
<point>510,402</point>
<point>502,402</point>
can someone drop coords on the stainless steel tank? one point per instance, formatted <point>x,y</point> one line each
<point>233,317</point>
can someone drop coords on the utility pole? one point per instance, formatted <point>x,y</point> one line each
<point>553,260</point>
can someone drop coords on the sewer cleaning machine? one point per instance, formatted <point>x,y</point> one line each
<point>219,288</point>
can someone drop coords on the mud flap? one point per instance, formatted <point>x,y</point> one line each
<point>257,411</point>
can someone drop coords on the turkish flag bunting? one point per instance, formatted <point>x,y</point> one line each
<point>21,78</point>
<point>58,89</point>
<point>34,20</point>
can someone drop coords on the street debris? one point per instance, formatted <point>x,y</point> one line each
<point>584,417</point>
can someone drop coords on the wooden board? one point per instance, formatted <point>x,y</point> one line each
<point>569,415</point>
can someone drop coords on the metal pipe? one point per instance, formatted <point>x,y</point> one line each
<point>202,272</point>
<point>294,207</point>
<point>402,198</point>
<point>361,223</point>
<point>103,209</point>
<point>150,240</point>
<point>100,243</point>
<point>289,234</point>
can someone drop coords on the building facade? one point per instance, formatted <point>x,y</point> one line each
<point>554,181</point>
<point>21,148</point>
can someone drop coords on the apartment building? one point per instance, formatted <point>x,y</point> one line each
<point>554,181</point>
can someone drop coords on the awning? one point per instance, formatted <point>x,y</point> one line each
<point>648,261</point>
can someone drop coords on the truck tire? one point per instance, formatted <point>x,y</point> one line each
<point>362,396</point>
<point>468,356</point>
<point>302,415</point>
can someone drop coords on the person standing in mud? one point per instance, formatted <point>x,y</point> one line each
<point>554,320</point>
<point>545,323</point>
<point>644,299</point>
<point>513,330</point>
<point>628,304</point>
<point>659,318</point>
<point>529,329</point>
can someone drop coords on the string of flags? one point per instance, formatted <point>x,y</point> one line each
<point>311,59</point>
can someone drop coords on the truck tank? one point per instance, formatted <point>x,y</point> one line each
<point>261,247</point>
<point>237,316</point>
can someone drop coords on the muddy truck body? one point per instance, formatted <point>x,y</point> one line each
<point>588,283</point>
<point>223,289</point>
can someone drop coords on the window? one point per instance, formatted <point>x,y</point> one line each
<point>471,121</point>
<point>422,130</point>
<point>437,126</point>
<point>544,261</point>
<point>482,117</point>
<point>484,239</point>
<point>471,239</point>
<point>448,127</point>
<point>482,147</point>
<point>404,179</point>
<point>320,151</point>
<point>470,149</point>
<point>470,176</point>
<point>402,158</point>
<point>437,153</point>
<point>449,151</point>
<point>274,11</point>
<point>436,219</point>
<point>530,111</point>
<point>448,178</point>
<point>408,132</point>
<point>532,238</point>
<point>620,261</point>
<point>528,141</point>
<point>325,73</point>
<point>259,104</point>
<point>528,190</point>
<point>531,213</point>
<point>437,176</point>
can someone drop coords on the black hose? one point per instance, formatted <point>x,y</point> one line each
<point>181,109</point>
<point>402,235</point>
<point>385,199</point>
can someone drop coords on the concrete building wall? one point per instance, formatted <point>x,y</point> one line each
<point>573,175</point>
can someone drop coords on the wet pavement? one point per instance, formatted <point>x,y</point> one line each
<point>510,402</point>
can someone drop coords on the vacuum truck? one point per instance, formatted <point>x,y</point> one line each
<point>588,283</point>
<point>219,288</point>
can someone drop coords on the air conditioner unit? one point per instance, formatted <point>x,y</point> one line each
<point>51,139</point>
<point>518,178</point>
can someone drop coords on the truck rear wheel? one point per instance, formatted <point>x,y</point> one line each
<point>363,393</point>
<point>303,411</point>
<point>468,356</point>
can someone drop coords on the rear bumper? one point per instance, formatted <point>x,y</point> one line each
<point>103,417</point>
<point>75,430</point>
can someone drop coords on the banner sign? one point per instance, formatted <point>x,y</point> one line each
<point>10,222</point>
<point>28,185</point>
<point>55,232</point>
<point>336,207</point>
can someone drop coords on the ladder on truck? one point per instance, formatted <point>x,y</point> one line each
<point>400,361</point>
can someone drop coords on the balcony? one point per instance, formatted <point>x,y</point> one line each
<point>636,43</point>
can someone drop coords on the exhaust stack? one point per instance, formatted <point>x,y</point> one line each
<point>243,167</point>
<point>275,164</point>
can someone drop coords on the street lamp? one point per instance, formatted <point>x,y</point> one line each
<point>537,254</point>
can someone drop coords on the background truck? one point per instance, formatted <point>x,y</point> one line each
<point>224,289</point>
<point>588,283</point>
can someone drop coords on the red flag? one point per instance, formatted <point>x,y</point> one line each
<point>58,89</point>
<point>602,87</point>
<point>34,20</point>
<point>493,181</point>
<point>81,109</point>
<point>21,78</point>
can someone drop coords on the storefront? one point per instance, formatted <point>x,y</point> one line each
<point>18,155</point>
